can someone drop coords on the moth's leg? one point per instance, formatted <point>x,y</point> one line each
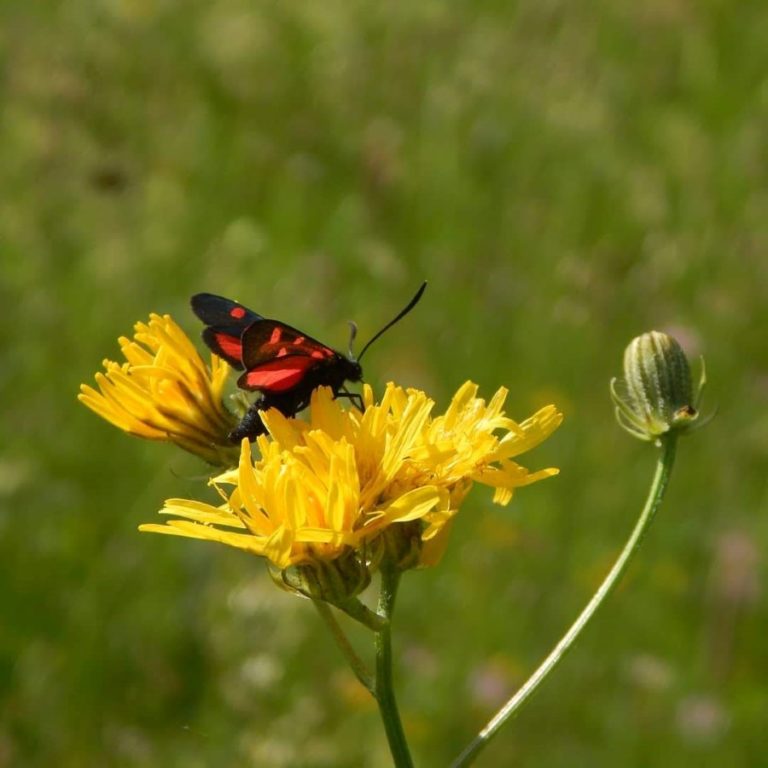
<point>354,397</point>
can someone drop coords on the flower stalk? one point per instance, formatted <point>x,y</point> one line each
<point>381,687</point>
<point>368,618</point>
<point>655,495</point>
<point>355,662</point>
<point>384,692</point>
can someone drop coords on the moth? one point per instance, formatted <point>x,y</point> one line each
<point>281,363</point>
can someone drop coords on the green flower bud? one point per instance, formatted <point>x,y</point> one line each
<point>334,581</point>
<point>401,545</point>
<point>656,395</point>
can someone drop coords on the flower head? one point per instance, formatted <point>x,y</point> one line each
<point>164,391</point>
<point>387,478</point>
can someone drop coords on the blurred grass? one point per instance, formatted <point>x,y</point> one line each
<point>566,177</point>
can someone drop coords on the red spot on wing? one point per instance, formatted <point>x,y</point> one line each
<point>237,312</point>
<point>275,337</point>
<point>319,354</point>
<point>277,375</point>
<point>230,345</point>
<point>299,340</point>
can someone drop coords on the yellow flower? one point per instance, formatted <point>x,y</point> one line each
<point>462,445</point>
<point>388,478</point>
<point>164,391</point>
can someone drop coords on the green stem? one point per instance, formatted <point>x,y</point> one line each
<point>357,664</point>
<point>658,486</point>
<point>361,613</point>
<point>385,695</point>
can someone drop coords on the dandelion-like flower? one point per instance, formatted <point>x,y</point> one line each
<point>165,391</point>
<point>348,484</point>
<point>475,442</point>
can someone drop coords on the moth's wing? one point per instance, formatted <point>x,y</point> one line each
<point>216,310</point>
<point>268,340</point>
<point>226,320</point>
<point>280,374</point>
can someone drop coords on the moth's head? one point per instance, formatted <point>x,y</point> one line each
<point>355,372</point>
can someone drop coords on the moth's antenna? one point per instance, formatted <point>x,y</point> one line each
<point>403,312</point>
<point>352,337</point>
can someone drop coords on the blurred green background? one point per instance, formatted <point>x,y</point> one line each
<point>565,176</point>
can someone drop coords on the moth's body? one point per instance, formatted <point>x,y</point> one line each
<point>295,400</point>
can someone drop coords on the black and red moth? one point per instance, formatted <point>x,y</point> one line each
<point>281,363</point>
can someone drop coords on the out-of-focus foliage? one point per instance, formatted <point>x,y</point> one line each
<point>566,176</point>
